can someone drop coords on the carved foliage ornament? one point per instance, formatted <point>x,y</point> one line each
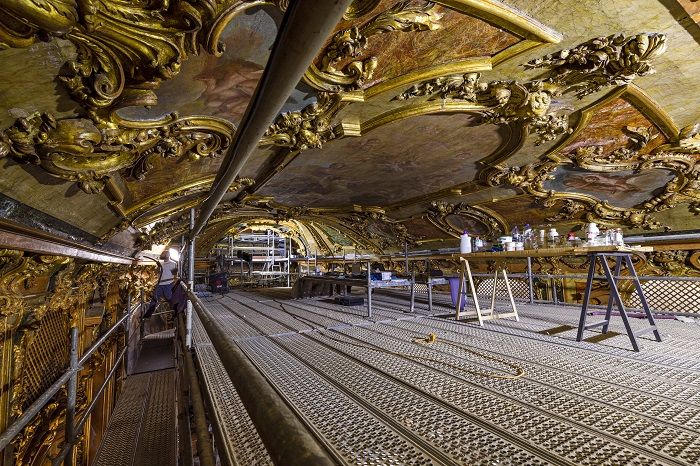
<point>587,68</point>
<point>681,158</point>
<point>304,129</point>
<point>440,210</point>
<point>124,48</point>
<point>18,271</point>
<point>88,151</point>
<point>380,229</point>
<point>342,66</point>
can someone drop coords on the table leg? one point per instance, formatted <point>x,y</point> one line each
<point>608,310</point>
<point>493,295</point>
<point>510,295</point>
<point>618,300</point>
<point>586,296</point>
<point>473,291</point>
<point>369,291</point>
<point>413,290</point>
<point>462,285</point>
<point>430,296</point>
<point>530,281</point>
<point>642,298</point>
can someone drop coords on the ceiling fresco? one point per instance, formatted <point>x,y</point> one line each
<point>219,86</point>
<point>415,121</point>
<point>397,161</point>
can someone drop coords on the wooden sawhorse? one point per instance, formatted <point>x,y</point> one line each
<point>615,296</point>
<point>483,314</point>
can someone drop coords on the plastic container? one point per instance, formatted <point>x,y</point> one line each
<point>454,289</point>
<point>465,243</point>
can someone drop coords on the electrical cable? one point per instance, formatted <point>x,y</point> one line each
<point>428,341</point>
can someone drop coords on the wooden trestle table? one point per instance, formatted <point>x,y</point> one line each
<point>595,254</point>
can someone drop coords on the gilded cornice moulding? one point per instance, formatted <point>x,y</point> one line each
<point>601,62</point>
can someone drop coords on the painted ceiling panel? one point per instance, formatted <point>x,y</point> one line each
<point>37,90</point>
<point>523,209</point>
<point>455,37</point>
<point>219,86</point>
<point>62,200</point>
<point>397,161</point>
<point>417,120</point>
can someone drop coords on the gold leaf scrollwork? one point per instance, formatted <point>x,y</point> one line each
<point>340,69</point>
<point>614,60</point>
<point>377,227</point>
<point>88,152</point>
<point>439,211</point>
<point>679,158</point>
<point>585,69</point>
<point>304,129</point>
<point>502,101</point>
<point>120,45</point>
<point>17,273</point>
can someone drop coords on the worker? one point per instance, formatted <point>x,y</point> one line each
<point>167,281</point>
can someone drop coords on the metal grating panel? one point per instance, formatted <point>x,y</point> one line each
<point>376,397</point>
<point>669,296</point>
<point>142,429</point>
<point>518,286</point>
<point>242,444</point>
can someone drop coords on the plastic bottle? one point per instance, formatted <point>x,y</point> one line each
<point>478,243</point>
<point>465,243</point>
<point>516,234</point>
<point>619,240</point>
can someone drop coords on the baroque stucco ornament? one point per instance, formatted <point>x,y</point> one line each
<point>439,211</point>
<point>87,151</point>
<point>342,66</point>
<point>587,68</point>
<point>681,158</point>
<point>124,49</point>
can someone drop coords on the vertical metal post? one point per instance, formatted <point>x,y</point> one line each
<point>405,254</point>
<point>530,283</point>
<point>72,395</point>
<point>127,334</point>
<point>141,311</point>
<point>190,279</point>
<point>369,289</point>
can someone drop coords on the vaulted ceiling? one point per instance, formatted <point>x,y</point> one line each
<point>415,121</point>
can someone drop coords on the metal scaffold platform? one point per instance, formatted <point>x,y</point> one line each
<point>384,391</point>
<point>142,430</point>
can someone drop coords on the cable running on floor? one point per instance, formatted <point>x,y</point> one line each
<point>428,341</point>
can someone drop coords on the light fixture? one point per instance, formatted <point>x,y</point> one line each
<point>174,254</point>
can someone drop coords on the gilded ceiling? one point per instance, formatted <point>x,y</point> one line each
<point>416,119</point>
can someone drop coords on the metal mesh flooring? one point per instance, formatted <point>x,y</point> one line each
<point>141,431</point>
<point>376,397</point>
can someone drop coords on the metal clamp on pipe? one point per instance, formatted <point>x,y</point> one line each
<point>288,441</point>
